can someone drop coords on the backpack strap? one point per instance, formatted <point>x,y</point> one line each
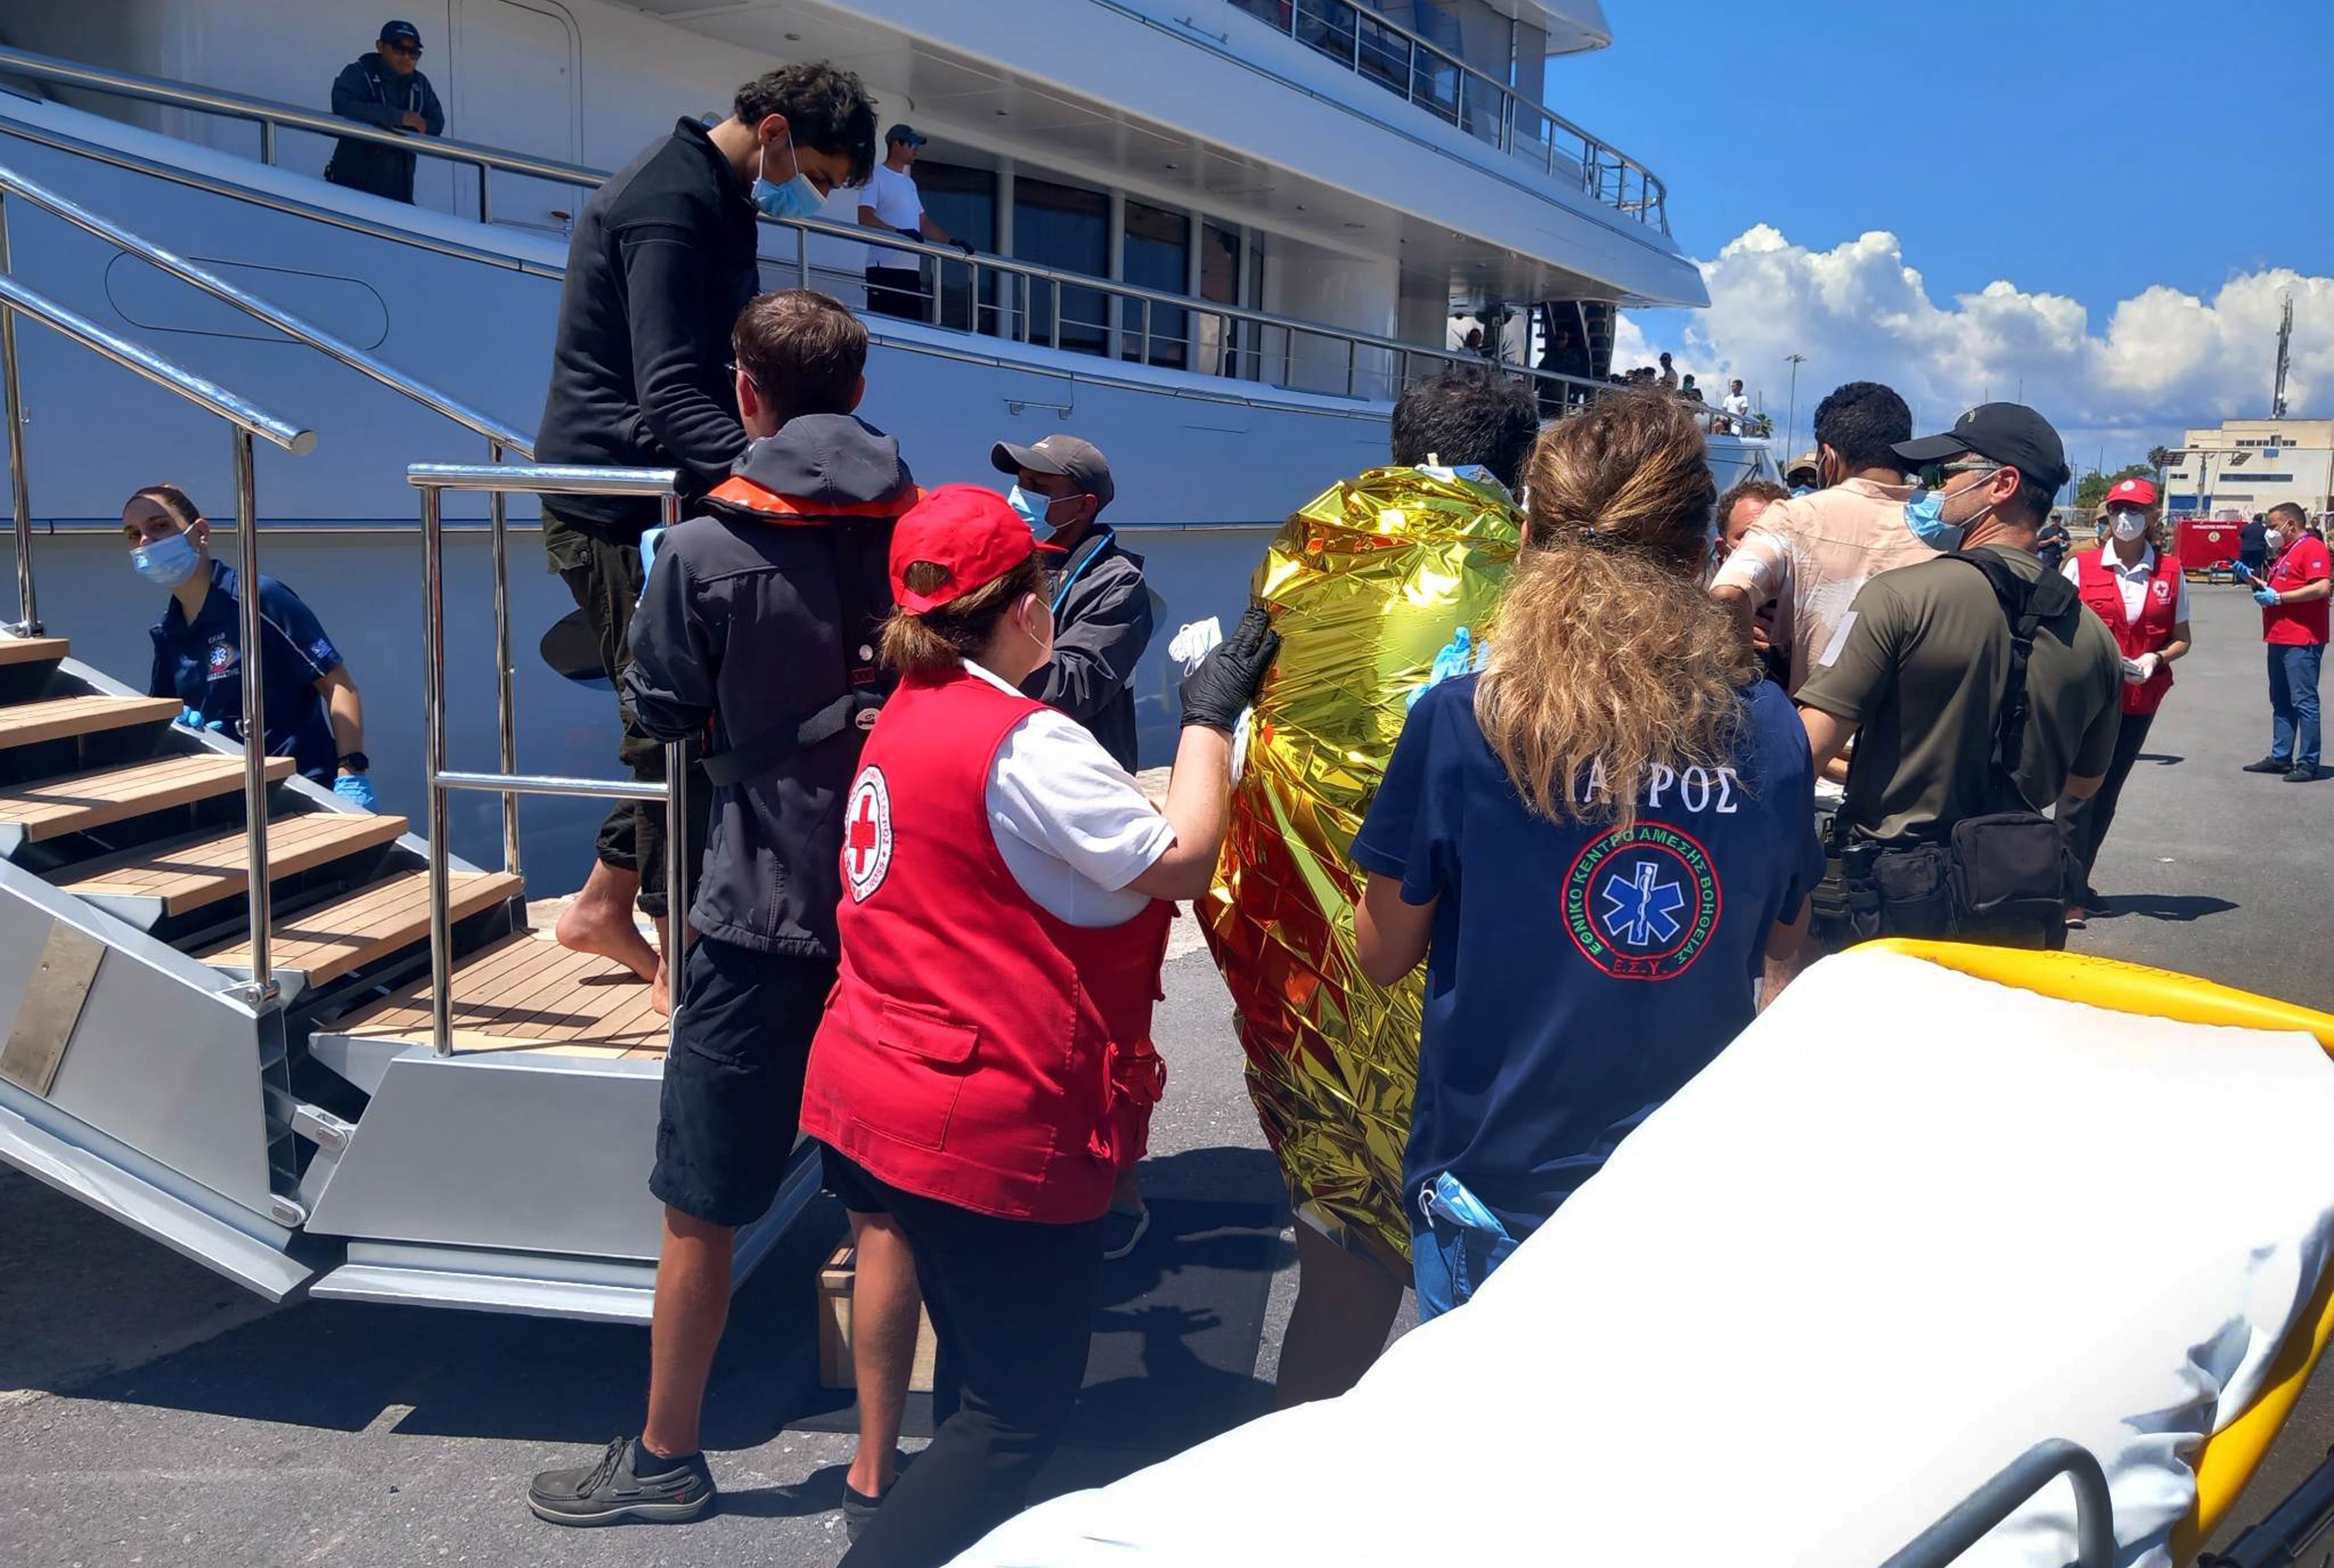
<point>2025,606</point>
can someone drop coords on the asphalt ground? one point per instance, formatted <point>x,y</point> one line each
<point>151,1413</point>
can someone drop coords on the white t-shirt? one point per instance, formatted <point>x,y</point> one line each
<point>1736,404</point>
<point>2132,581</point>
<point>1073,825</point>
<point>897,205</point>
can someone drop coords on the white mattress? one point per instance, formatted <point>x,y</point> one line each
<point>1910,1223</point>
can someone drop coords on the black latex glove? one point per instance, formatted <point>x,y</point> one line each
<point>965,246</point>
<point>1230,677</point>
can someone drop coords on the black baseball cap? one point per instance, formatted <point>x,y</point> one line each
<point>400,32</point>
<point>901,132</point>
<point>2010,434</point>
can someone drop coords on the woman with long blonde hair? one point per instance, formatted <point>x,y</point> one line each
<point>1594,843</point>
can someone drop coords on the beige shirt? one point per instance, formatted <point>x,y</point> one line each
<point>1812,553</point>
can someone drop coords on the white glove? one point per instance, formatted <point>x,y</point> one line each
<point>2137,671</point>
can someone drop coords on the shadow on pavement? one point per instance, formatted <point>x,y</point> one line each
<point>344,1366</point>
<point>2177,908</point>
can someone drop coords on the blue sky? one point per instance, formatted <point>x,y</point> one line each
<point>2087,152</point>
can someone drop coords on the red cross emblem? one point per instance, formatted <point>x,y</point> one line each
<point>867,833</point>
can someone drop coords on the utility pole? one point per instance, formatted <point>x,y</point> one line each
<point>2284,361</point>
<point>1791,420</point>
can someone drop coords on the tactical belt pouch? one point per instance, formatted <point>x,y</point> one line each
<point>2010,879</point>
<point>1913,888</point>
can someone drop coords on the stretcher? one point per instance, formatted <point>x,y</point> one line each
<point>1754,1337</point>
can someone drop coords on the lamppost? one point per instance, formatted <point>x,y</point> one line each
<point>2204,456</point>
<point>1791,420</point>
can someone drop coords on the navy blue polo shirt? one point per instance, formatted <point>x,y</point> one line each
<point>201,665</point>
<point>1580,973</point>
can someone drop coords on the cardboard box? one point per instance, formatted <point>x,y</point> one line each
<point>834,1370</point>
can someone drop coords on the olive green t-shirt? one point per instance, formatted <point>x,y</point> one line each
<point>1919,669</point>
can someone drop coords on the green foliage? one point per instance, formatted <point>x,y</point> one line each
<point>2095,486</point>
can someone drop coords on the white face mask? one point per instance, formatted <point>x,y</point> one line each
<point>2127,525</point>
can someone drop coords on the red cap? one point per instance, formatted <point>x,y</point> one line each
<point>2132,493</point>
<point>966,529</point>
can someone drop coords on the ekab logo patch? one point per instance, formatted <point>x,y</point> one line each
<point>1640,902</point>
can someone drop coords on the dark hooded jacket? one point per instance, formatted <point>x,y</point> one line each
<point>758,615</point>
<point>367,90</point>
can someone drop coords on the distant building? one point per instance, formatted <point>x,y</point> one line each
<point>2249,466</point>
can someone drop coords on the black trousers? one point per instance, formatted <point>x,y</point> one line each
<point>603,577</point>
<point>896,291</point>
<point>2083,824</point>
<point>1012,1304</point>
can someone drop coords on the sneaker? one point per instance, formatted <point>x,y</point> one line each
<point>2269,765</point>
<point>858,1512</point>
<point>2076,919</point>
<point>1121,1231</point>
<point>2301,776</point>
<point>618,1487</point>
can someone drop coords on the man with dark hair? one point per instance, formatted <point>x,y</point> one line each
<point>1456,418</point>
<point>1738,510</point>
<point>661,265</point>
<point>757,625</point>
<point>386,90</point>
<point>895,277</point>
<point>1921,674</point>
<point>2292,596</point>
<point>1809,554</point>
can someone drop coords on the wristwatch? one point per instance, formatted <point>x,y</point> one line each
<point>356,762</point>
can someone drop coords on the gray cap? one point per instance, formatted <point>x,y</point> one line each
<point>1057,454</point>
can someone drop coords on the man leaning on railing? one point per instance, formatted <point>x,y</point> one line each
<point>384,88</point>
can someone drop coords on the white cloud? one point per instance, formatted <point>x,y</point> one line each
<point>2164,359</point>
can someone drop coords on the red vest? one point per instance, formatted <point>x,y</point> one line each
<point>977,1050</point>
<point>2158,614</point>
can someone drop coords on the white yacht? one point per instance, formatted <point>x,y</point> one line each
<point>1212,236</point>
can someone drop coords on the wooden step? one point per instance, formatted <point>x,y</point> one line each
<point>56,718</point>
<point>526,992</point>
<point>33,650</point>
<point>370,923</point>
<point>163,879</point>
<point>75,802</point>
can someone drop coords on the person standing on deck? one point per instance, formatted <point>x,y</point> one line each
<point>387,89</point>
<point>661,265</point>
<point>895,278</point>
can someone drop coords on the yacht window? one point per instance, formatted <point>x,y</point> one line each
<point>1063,227</point>
<point>1219,337</point>
<point>1157,255</point>
<point>963,201</point>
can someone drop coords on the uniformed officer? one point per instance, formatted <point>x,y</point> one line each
<point>313,714</point>
<point>985,1068</point>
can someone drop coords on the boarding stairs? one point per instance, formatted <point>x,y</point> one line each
<point>277,1033</point>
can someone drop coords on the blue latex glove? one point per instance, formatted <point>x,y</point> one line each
<point>2266,597</point>
<point>357,790</point>
<point>2242,571</point>
<point>191,718</point>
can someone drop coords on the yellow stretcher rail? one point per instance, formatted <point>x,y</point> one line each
<point>2229,1456</point>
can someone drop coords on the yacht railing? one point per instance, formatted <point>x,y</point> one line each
<point>244,419</point>
<point>1017,301</point>
<point>1380,50</point>
<point>433,479</point>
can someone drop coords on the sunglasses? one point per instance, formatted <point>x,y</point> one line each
<point>412,51</point>
<point>1933,475</point>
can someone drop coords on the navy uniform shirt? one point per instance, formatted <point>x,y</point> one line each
<point>1580,973</point>
<point>202,666</point>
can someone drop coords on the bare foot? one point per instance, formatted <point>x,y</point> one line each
<point>599,920</point>
<point>661,990</point>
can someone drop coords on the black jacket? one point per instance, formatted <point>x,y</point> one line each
<point>758,615</point>
<point>660,264</point>
<point>1102,624</point>
<point>369,92</point>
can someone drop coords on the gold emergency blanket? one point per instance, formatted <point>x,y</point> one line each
<point>1366,586</point>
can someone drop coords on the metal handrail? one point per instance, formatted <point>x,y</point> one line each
<point>244,419</point>
<point>15,184</point>
<point>1596,158</point>
<point>433,479</point>
<point>1969,1520</point>
<point>1018,315</point>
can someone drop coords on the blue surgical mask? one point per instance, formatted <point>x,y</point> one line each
<point>1031,508</point>
<point>797,198</point>
<point>1926,516</point>
<point>166,562</point>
